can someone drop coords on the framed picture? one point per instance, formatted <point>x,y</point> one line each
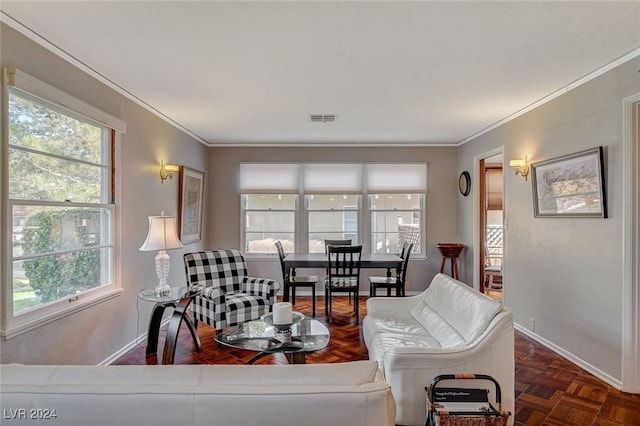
<point>191,205</point>
<point>570,186</point>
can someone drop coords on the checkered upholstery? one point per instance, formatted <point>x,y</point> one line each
<point>229,296</point>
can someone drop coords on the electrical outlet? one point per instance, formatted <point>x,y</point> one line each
<point>532,324</point>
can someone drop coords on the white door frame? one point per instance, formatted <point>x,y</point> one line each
<point>476,212</point>
<point>631,247</point>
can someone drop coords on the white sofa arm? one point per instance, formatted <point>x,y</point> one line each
<point>408,370</point>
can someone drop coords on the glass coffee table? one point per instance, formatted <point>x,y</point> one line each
<point>305,336</point>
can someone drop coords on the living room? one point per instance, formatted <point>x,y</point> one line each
<point>576,278</point>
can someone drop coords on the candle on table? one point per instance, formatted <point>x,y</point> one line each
<point>282,313</point>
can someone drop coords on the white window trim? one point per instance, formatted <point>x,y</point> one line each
<point>13,326</point>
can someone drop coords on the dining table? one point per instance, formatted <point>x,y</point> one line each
<point>295,261</point>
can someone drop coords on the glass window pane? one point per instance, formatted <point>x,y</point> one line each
<point>269,217</point>
<point>395,218</point>
<point>40,177</point>
<point>265,242</point>
<point>52,229</point>
<point>270,221</point>
<point>270,201</point>
<point>395,201</point>
<point>35,126</point>
<point>385,243</point>
<point>47,279</point>
<point>331,222</point>
<point>331,202</point>
<point>316,239</point>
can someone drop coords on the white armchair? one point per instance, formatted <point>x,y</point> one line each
<point>447,329</point>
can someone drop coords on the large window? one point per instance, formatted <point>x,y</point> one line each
<point>269,217</point>
<point>332,217</point>
<point>396,203</point>
<point>377,205</point>
<point>60,203</point>
<point>269,206</point>
<point>395,219</point>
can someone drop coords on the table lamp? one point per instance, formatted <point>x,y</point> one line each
<point>162,236</point>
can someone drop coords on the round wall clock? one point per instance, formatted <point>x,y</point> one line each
<point>464,183</point>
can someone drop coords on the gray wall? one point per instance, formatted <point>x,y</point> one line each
<point>224,201</point>
<point>94,334</point>
<point>564,273</point>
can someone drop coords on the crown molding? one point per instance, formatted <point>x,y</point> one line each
<point>579,82</point>
<point>37,38</point>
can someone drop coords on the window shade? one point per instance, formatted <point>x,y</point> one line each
<point>388,178</point>
<point>494,189</point>
<point>337,178</point>
<point>268,178</point>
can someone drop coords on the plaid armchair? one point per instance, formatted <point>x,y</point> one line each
<point>229,296</point>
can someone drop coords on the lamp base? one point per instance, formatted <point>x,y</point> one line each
<point>163,290</point>
<point>162,270</point>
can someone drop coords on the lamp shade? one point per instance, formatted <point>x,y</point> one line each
<point>162,234</point>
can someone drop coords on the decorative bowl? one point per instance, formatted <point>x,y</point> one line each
<point>268,318</point>
<point>450,249</point>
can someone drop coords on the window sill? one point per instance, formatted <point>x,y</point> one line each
<point>32,324</point>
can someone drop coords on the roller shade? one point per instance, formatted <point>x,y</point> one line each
<point>389,178</point>
<point>269,178</point>
<point>336,178</point>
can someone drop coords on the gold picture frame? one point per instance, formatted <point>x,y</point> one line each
<point>191,202</point>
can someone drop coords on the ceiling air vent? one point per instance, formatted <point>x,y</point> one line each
<point>322,118</point>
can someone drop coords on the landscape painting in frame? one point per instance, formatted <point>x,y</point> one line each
<point>191,204</point>
<point>570,186</point>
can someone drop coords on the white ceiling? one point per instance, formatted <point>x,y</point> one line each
<point>406,73</point>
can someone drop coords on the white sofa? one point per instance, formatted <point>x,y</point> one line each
<point>351,393</point>
<point>448,328</point>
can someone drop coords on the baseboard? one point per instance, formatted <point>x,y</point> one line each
<point>129,346</point>
<point>570,357</point>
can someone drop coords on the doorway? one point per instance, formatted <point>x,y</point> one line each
<point>491,238</point>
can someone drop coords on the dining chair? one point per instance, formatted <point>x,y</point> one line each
<point>344,275</point>
<point>294,281</point>
<point>328,243</point>
<point>399,281</point>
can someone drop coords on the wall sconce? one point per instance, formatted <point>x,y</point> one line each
<point>167,171</point>
<point>521,167</point>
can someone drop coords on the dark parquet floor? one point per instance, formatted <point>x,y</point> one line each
<point>549,389</point>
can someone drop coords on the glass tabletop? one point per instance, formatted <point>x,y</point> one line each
<point>309,335</point>
<point>177,293</point>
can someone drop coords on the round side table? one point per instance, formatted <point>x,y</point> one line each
<point>179,300</point>
<point>450,251</point>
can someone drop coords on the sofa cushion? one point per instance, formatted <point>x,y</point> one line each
<point>437,326</point>
<point>465,309</point>
<point>352,393</point>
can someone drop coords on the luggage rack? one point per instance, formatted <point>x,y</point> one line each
<point>464,406</point>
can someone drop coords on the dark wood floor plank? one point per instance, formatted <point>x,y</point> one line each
<point>549,389</point>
